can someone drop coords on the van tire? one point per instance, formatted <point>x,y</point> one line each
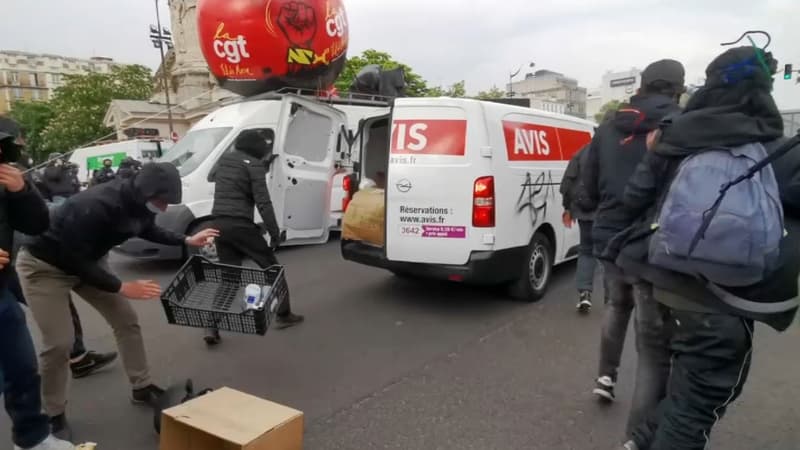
<point>188,250</point>
<point>537,270</point>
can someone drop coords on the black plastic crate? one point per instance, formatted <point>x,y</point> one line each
<point>207,294</point>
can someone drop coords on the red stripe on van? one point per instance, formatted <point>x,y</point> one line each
<point>533,142</point>
<point>429,137</point>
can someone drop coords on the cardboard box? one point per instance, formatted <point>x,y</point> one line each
<point>364,219</point>
<point>227,419</point>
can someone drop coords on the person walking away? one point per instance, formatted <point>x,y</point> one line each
<point>105,174</point>
<point>128,167</point>
<point>578,206</point>
<point>83,362</point>
<point>58,177</point>
<point>71,256</point>
<point>23,210</point>
<point>241,185</point>
<point>732,120</point>
<point>615,151</point>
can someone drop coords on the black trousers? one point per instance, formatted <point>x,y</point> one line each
<point>239,239</point>
<point>711,356</point>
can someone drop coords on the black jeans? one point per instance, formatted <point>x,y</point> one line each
<point>19,375</point>
<point>239,239</point>
<point>711,356</point>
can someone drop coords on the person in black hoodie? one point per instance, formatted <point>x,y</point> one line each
<point>712,341</point>
<point>60,179</point>
<point>241,186</point>
<point>578,207</point>
<point>616,150</point>
<point>21,209</point>
<point>71,257</point>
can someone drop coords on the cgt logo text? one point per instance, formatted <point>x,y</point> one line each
<point>336,25</point>
<point>232,49</point>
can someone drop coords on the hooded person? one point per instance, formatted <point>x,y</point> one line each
<point>23,210</point>
<point>711,344</point>
<point>240,187</point>
<point>71,256</point>
<point>59,179</point>
<point>615,151</point>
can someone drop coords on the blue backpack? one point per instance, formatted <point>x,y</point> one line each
<point>722,218</point>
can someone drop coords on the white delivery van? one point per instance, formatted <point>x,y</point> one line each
<point>472,191</point>
<point>90,158</point>
<point>308,136</point>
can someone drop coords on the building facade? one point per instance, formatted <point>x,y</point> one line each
<point>551,88</point>
<point>34,77</point>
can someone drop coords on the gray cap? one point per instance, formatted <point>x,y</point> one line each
<point>666,70</point>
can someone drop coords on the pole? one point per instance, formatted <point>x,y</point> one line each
<point>511,76</point>
<point>164,70</point>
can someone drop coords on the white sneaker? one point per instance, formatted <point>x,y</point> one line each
<point>604,389</point>
<point>51,443</point>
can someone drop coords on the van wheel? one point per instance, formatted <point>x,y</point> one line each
<point>188,250</point>
<point>537,270</point>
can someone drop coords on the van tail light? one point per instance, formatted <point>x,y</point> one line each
<point>483,203</point>
<point>347,185</point>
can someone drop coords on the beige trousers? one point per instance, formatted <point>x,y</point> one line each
<point>47,290</point>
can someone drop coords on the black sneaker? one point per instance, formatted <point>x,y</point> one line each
<point>147,395</point>
<point>212,337</point>
<point>91,363</point>
<point>585,302</point>
<point>60,428</point>
<point>604,389</point>
<point>288,320</point>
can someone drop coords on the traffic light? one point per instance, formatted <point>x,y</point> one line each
<point>787,72</point>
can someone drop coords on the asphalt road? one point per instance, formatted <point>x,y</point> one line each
<point>386,363</point>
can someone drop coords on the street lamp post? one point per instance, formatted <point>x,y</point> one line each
<point>159,37</point>
<point>511,76</point>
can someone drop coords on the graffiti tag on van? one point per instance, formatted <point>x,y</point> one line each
<point>534,195</point>
<point>429,137</point>
<point>534,142</point>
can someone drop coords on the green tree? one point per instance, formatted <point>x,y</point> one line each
<point>611,106</point>
<point>416,86</point>
<point>457,90</point>
<point>79,106</point>
<point>491,94</point>
<point>33,117</point>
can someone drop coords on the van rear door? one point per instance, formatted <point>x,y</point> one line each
<point>431,175</point>
<point>303,171</point>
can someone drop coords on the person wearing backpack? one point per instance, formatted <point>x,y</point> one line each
<point>615,151</point>
<point>579,207</point>
<point>738,253</point>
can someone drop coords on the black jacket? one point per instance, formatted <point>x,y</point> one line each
<point>646,191</point>
<point>615,151</point>
<point>89,224</point>
<point>241,185</point>
<point>103,175</point>
<point>24,212</point>
<point>128,168</point>
<point>60,181</point>
<point>574,197</point>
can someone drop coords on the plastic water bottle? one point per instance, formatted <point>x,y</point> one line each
<point>265,290</point>
<point>252,296</point>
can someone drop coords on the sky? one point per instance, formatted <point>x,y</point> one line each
<point>445,41</point>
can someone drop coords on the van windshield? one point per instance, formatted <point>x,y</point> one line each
<point>194,148</point>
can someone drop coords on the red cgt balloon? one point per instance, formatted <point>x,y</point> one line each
<point>254,46</point>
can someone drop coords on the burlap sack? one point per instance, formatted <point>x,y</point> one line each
<point>364,219</point>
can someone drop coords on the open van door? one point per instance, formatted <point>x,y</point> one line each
<point>302,174</point>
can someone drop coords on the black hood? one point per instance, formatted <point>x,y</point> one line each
<point>643,113</point>
<point>158,180</point>
<point>733,108</point>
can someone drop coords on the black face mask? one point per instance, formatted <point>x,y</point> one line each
<point>9,151</point>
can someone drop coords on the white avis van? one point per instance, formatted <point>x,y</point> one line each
<point>309,138</point>
<point>472,191</point>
